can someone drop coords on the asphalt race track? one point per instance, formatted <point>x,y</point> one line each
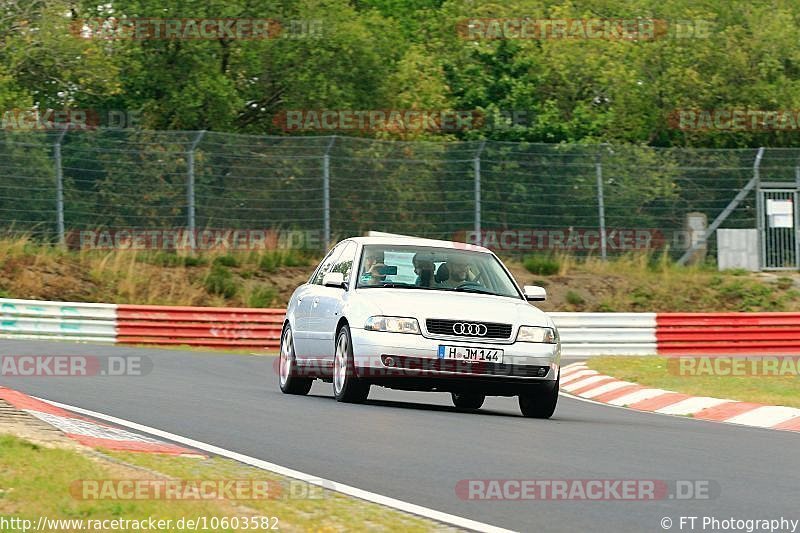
<point>416,446</point>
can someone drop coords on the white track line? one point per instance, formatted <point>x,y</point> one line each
<point>580,383</point>
<point>577,375</point>
<point>400,505</point>
<point>764,417</point>
<point>691,405</point>
<point>608,387</point>
<point>638,396</point>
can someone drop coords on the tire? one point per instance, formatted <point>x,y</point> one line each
<point>346,385</point>
<point>287,367</point>
<point>540,401</point>
<point>468,400</point>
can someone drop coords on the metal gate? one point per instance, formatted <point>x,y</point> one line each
<point>779,220</point>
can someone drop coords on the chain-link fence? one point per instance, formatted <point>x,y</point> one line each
<point>518,197</point>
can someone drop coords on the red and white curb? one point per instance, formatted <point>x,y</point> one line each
<point>88,432</point>
<point>577,379</point>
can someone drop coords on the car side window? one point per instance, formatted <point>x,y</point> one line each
<point>344,263</point>
<point>327,264</point>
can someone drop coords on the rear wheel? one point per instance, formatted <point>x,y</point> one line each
<point>468,400</point>
<point>346,385</point>
<point>539,401</point>
<point>287,368</point>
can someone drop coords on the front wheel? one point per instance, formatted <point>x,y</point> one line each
<point>346,385</point>
<point>287,367</point>
<point>468,400</point>
<point>539,401</point>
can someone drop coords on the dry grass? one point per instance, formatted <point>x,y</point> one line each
<point>658,372</point>
<point>634,282</point>
<point>647,282</point>
<point>32,270</point>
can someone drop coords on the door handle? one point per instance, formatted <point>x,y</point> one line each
<point>316,302</point>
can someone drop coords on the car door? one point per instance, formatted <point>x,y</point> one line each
<point>326,307</point>
<point>304,301</point>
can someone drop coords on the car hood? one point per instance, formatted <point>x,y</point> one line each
<point>423,304</point>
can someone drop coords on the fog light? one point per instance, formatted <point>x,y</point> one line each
<point>388,361</point>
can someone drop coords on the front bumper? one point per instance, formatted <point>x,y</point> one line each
<point>416,360</point>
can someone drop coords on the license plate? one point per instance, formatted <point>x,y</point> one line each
<point>470,354</point>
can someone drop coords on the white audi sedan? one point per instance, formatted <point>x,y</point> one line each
<point>424,315</point>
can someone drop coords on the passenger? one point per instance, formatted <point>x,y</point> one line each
<point>424,269</point>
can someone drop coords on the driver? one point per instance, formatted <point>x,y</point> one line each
<point>373,267</point>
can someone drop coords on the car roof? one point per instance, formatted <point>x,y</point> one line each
<point>418,241</point>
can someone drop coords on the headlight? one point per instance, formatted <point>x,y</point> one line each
<point>537,334</point>
<point>392,324</point>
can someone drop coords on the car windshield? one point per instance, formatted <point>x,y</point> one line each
<point>432,268</point>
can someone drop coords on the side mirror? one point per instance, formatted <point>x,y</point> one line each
<point>534,293</point>
<point>334,279</point>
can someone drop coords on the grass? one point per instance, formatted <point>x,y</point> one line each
<point>653,282</point>
<point>543,265</point>
<point>32,270</point>
<point>658,372</point>
<point>266,278</point>
<point>36,481</point>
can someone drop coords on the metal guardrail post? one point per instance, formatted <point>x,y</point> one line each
<point>326,194</point>
<point>762,243</point>
<point>191,221</point>
<point>477,173</point>
<point>601,207</point>
<point>62,240</point>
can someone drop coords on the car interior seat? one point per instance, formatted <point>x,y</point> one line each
<point>442,273</point>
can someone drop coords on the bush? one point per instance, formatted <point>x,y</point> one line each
<point>272,260</point>
<point>573,298</point>
<point>542,265</point>
<point>262,296</point>
<point>226,260</point>
<point>220,281</point>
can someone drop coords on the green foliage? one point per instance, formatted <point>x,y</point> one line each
<point>168,259</point>
<point>543,265</point>
<point>227,260</point>
<point>272,260</point>
<point>262,296</point>
<point>220,281</point>
<point>378,54</point>
<point>573,298</point>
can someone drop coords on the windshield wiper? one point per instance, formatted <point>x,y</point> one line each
<point>474,289</point>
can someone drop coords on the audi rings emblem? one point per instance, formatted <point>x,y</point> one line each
<point>472,330</point>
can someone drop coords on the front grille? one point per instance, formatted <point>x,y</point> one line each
<point>405,363</point>
<point>445,327</point>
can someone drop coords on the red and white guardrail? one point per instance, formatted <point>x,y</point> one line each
<point>582,334</point>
